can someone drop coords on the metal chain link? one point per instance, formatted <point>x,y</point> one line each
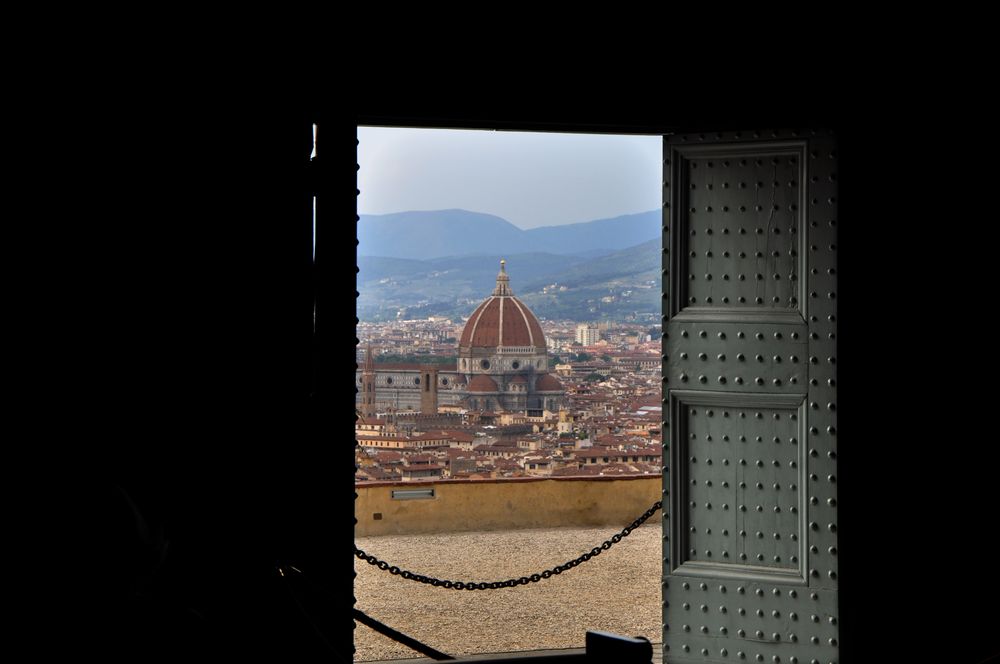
<point>509,583</point>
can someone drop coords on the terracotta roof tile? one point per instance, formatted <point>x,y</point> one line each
<point>483,383</point>
<point>520,327</point>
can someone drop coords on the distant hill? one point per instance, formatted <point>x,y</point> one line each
<point>618,264</point>
<point>424,235</point>
<point>389,283</point>
<point>618,284</point>
<point>602,234</point>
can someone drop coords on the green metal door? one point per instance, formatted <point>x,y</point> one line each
<point>750,308</point>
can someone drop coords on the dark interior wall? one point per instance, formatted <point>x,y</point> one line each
<point>211,421</point>
<point>207,399</point>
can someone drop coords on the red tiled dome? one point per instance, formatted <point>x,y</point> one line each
<point>483,383</point>
<point>548,383</point>
<point>502,320</point>
<point>520,327</point>
<point>519,379</point>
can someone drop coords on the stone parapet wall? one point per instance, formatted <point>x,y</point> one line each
<point>504,504</point>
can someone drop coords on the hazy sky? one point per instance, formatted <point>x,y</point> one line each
<point>529,179</point>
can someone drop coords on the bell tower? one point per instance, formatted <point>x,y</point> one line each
<point>429,390</point>
<point>368,385</point>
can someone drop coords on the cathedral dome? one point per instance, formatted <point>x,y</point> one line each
<point>502,320</point>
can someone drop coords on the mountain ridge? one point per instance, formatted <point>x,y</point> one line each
<point>429,234</point>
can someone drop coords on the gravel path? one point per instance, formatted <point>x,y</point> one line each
<point>618,591</point>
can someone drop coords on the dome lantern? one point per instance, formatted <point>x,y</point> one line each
<point>503,281</point>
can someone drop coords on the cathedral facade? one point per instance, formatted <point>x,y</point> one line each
<point>502,366</point>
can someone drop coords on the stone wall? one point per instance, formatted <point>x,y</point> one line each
<point>506,504</point>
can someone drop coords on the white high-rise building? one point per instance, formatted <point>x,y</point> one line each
<point>587,335</point>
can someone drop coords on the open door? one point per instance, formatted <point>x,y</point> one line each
<point>750,288</point>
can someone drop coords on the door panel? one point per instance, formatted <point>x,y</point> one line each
<point>750,558</point>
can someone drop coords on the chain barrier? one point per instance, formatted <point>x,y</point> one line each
<point>509,583</point>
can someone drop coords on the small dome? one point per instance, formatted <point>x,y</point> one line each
<point>548,383</point>
<point>519,379</point>
<point>483,383</point>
